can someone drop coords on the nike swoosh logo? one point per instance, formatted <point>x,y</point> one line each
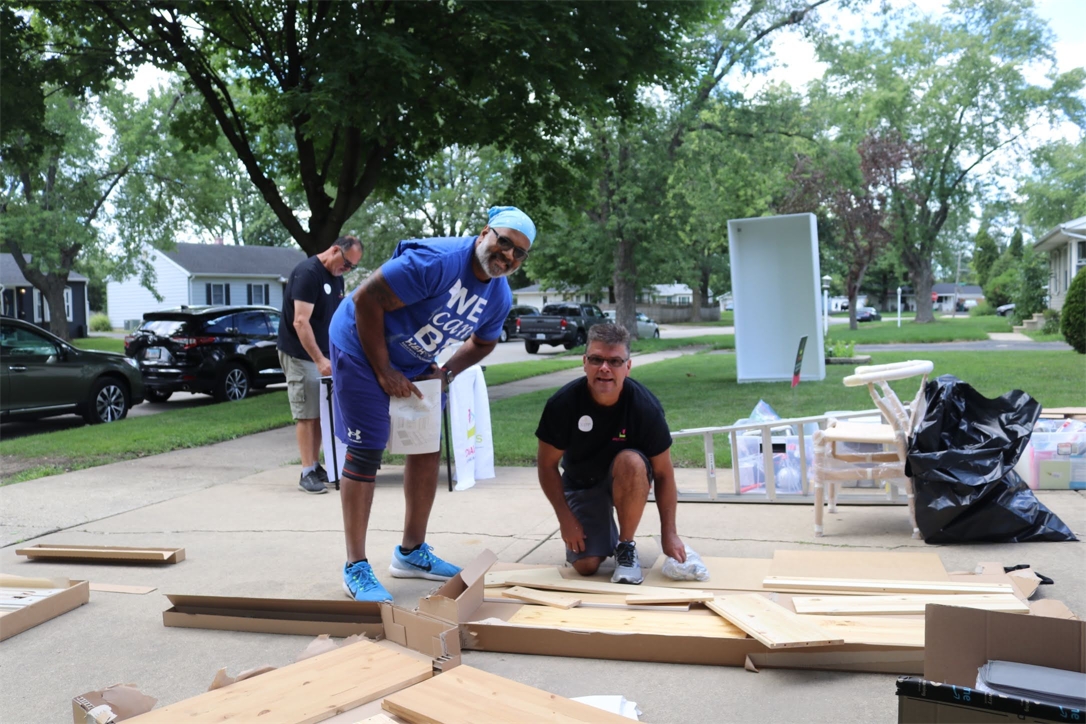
<point>426,567</point>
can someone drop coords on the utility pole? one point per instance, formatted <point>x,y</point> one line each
<point>957,277</point>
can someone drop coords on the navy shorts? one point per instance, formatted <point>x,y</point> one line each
<point>359,403</point>
<point>594,509</point>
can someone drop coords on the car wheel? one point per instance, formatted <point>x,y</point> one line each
<point>504,335</point>
<point>656,334</point>
<point>108,402</point>
<point>582,338</point>
<point>531,347</point>
<point>233,384</point>
<point>156,395</point>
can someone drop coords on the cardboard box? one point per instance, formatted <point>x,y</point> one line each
<point>433,637</point>
<point>961,640</point>
<point>15,622</point>
<point>114,704</point>
<point>275,615</point>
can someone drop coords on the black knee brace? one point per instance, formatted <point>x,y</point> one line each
<point>361,465</point>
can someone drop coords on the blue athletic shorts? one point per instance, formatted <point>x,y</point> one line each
<point>360,405</point>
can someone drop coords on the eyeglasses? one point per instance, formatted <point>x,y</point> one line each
<point>506,244</point>
<point>347,265</point>
<point>612,362</point>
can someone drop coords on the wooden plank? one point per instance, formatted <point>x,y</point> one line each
<point>551,580</point>
<point>110,553</point>
<point>677,597</point>
<point>903,604</point>
<point>773,625</point>
<point>868,586</point>
<point>872,630</point>
<point>546,598</point>
<point>309,691</point>
<point>594,600</point>
<point>877,565</point>
<point>118,588</point>
<point>466,695</point>
<point>660,623</point>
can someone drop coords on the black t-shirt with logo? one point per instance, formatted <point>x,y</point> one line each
<point>592,435</point>
<point>309,282</point>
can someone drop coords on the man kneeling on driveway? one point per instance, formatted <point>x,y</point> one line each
<point>610,435</point>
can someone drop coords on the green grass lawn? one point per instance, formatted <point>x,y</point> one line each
<point>105,344</point>
<point>1042,337</point>
<point>701,391</point>
<point>513,371</point>
<point>93,445</point>
<point>943,329</point>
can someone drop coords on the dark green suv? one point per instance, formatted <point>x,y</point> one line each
<point>41,375</point>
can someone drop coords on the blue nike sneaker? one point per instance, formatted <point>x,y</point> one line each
<point>421,563</point>
<point>360,584</point>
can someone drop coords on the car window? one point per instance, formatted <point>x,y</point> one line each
<point>24,344</point>
<point>641,317</point>
<point>219,325</point>
<point>596,311</point>
<point>273,322</point>
<point>553,309</point>
<point>251,323</point>
<point>164,327</point>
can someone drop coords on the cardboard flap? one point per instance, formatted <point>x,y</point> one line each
<point>191,604</point>
<point>462,594</point>
<point>435,638</point>
<point>961,640</point>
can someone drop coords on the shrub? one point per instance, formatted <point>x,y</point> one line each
<point>1029,291</point>
<point>1073,318</point>
<point>840,348</point>
<point>983,309</point>
<point>100,323</point>
<point>1052,322</point>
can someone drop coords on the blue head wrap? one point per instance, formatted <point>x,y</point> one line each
<point>510,217</point>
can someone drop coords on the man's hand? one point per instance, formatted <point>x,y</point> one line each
<point>324,367</point>
<point>673,547</point>
<point>395,384</point>
<point>572,533</point>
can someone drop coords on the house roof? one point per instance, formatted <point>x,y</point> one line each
<point>10,276</point>
<point>223,259</point>
<point>962,289</point>
<point>1062,234</point>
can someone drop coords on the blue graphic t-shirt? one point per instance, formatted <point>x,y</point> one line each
<point>444,303</point>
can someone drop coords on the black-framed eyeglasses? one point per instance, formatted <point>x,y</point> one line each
<point>612,362</point>
<point>347,265</point>
<point>506,244</point>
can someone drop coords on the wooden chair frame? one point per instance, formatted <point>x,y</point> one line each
<point>885,465</point>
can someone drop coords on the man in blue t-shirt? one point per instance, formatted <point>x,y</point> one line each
<point>386,335</point>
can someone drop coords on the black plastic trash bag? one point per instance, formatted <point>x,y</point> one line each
<point>961,460</point>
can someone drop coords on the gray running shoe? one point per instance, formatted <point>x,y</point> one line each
<point>627,564</point>
<point>322,474</point>
<point>311,483</point>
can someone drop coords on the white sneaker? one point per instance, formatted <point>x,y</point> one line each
<point>627,564</point>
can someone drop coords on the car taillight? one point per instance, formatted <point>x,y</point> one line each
<point>518,324</point>
<point>564,323</point>
<point>190,342</point>
<point>128,340</point>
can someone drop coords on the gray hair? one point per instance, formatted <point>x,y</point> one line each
<point>347,243</point>
<point>610,334</point>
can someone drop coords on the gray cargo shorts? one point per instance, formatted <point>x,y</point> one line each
<point>303,386</point>
<point>595,511</point>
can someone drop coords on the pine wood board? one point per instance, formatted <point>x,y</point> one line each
<point>551,580</point>
<point>466,695</point>
<point>903,604</point>
<point>725,574</point>
<point>872,630</point>
<point>773,625</point>
<point>546,598</point>
<point>108,553</point>
<point>309,691</point>
<point>875,587</point>
<point>118,588</point>
<point>676,597</point>
<point>660,623</point>
<point>496,594</point>
<point>876,565</point>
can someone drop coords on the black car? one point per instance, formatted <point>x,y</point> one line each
<point>41,375</point>
<point>509,328</point>
<point>224,351</point>
<point>868,314</point>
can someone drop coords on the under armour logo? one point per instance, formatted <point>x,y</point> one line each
<point>354,435</point>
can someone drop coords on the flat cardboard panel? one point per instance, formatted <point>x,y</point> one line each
<point>469,696</point>
<point>274,615</point>
<point>725,574</point>
<point>308,691</point>
<point>961,640</point>
<point>15,622</point>
<point>884,586</point>
<point>692,623</point>
<point>127,554</point>
<point>878,565</point>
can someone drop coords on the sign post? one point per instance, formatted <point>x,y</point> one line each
<point>899,306</point>
<point>799,361</point>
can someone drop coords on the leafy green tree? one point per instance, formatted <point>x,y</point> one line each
<point>351,97</point>
<point>1055,192</point>
<point>1002,280</point>
<point>985,253</point>
<point>958,90</point>
<point>1073,315</point>
<point>1031,284</point>
<point>1015,247</point>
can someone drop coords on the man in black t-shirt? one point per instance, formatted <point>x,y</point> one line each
<point>311,296</point>
<point>610,435</point>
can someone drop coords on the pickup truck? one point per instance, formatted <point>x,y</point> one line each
<point>563,324</point>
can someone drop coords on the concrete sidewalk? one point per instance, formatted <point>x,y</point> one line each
<point>248,531</point>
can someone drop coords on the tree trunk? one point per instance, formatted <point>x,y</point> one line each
<point>852,309</point>
<point>625,286</point>
<point>53,294</point>
<point>695,301</point>
<point>923,280</point>
<point>702,292</point>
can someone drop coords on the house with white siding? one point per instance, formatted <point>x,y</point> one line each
<point>198,274</point>
<point>1066,247</point>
